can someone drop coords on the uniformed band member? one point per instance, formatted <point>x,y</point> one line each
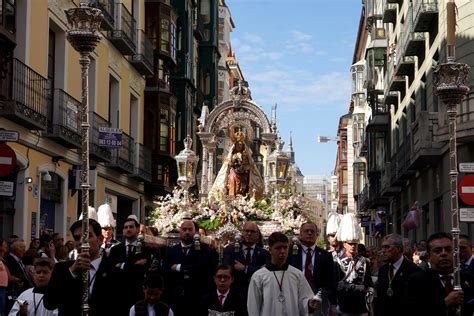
<point>107,222</point>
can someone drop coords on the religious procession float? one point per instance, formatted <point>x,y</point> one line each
<point>256,180</point>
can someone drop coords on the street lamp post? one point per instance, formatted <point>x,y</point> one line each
<point>451,80</point>
<point>84,36</point>
<point>278,163</point>
<point>187,161</point>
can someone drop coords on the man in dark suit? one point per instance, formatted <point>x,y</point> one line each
<point>133,259</point>
<point>430,292</point>
<point>224,299</point>
<point>188,268</point>
<point>64,291</point>
<point>19,280</point>
<point>465,254</point>
<point>317,265</point>
<point>392,277</point>
<point>246,260</point>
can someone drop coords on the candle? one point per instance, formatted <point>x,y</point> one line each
<point>451,22</point>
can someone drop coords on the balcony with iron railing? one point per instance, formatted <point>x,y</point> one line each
<point>425,14</point>
<point>411,42</point>
<point>425,149</point>
<point>400,163</point>
<point>123,158</point>
<point>96,151</point>
<point>143,59</point>
<point>124,34</point>
<point>389,12</point>
<point>108,10</point>
<point>143,163</point>
<point>24,96</point>
<point>394,82</point>
<point>64,119</point>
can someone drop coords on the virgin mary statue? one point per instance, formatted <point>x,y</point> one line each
<point>239,174</point>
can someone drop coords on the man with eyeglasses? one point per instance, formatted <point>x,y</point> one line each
<point>431,291</point>
<point>223,299</point>
<point>392,276</point>
<point>246,258</point>
<point>317,266</point>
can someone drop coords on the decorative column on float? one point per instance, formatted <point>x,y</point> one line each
<point>84,37</point>
<point>451,80</point>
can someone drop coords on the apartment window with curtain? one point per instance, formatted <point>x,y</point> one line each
<point>173,40</point>
<point>165,35</point>
<point>172,138</point>
<point>164,129</point>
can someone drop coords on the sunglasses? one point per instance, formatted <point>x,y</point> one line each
<point>77,237</point>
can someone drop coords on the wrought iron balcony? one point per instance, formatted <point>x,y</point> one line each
<point>389,12</point>
<point>394,81</point>
<point>405,66</point>
<point>23,96</point>
<point>400,165</point>
<point>391,98</point>
<point>108,10</point>
<point>123,158</point>
<point>411,42</point>
<point>143,163</point>
<point>425,149</point>
<point>425,12</point>
<point>97,152</point>
<point>143,59</point>
<point>64,119</point>
<point>124,34</point>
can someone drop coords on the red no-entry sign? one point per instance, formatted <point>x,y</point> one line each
<point>466,189</point>
<point>7,160</point>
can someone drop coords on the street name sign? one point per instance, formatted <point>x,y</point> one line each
<point>466,214</point>
<point>6,188</point>
<point>8,136</point>
<point>467,167</point>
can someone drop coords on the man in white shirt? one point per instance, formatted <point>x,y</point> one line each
<point>278,288</point>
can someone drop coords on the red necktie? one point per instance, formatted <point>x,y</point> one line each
<point>308,273</point>
<point>448,285</point>
<point>221,300</point>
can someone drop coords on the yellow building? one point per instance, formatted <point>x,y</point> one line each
<point>40,89</point>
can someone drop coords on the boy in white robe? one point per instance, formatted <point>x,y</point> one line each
<point>32,299</point>
<point>278,289</point>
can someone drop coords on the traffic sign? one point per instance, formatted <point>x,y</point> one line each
<point>7,159</point>
<point>467,167</point>
<point>466,189</point>
<point>8,136</point>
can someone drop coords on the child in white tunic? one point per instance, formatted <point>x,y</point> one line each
<point>279,289</point>
<point>32,299</point>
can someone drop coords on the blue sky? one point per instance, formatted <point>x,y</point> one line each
<point>298,53</point>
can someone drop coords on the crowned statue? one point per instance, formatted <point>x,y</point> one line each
<point>239,174</point>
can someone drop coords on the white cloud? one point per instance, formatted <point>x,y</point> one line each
<point>300,42</point>
<point>298,89</point>
<point>252,38</point>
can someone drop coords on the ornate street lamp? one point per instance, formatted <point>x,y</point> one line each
<point>187,161</point>
<point>278,162</point>
<point>84,36</point>
<point>451,80</point>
